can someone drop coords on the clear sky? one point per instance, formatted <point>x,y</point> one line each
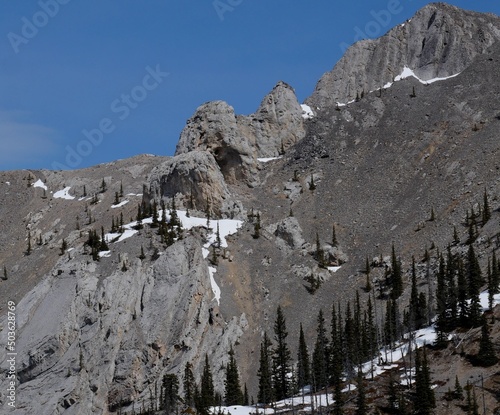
<point>89,81</point>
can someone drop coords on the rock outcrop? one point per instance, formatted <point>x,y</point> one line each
<point>237,141</point>
<point>195,175</point>
<point>439,41</point>
<point>100,341</point>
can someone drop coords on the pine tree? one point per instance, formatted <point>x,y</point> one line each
<point>312,186</point>
<point>303,365</point>
<point>424,394</point>
<point>320,354</point>
<point>334,236</point>
<point>486,214</point>
<point>320,254</point>
<point>28,250</point>
<point>433,216</point>
<point>396,276</point>
<point>491,286</point>
<point>361,406</point>
<point>336,361</point>
<point>486,355</point>
<point>207,393</point>
<point>233,394</point>
<point>474,281</point>
<point>245,396</point>
<point>218,241</point>
<point>117,199</point>
<point>142,256</point>
<point>281,357</point>
<point>256,227</point>
<point>458,392</point>
<point>170,392</point>
<point>64,246</point>
<point>121,189</point>
<point>456,239</point>
<point>5,276</point>
<point>265,394</point>
<point>103,245</point>
<point>103,186</point>
<point>189,385</point>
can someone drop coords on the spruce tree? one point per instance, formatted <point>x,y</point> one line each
<point>64,246</point>
<point>5,276</point>
<point>320,354</point>
<point>265,394</point>
<point>462,296</point>
<point>189,385</point>
<point>361,406</point>
<point>170,393</point>
<point>396,276</point>
<point>486,355</point>
<point>312,186</point>
<point>233,394</point>
<point>424,394</point>
<point>458,392</point>
<point>336,361</point>
<point>334,236</point>
<point>281,357</point>
<point>207,393</point>
<point>486,214</point>
<point>28,250</point>
<point>303,365</point>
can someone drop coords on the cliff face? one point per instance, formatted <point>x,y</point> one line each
<point>439,41</point>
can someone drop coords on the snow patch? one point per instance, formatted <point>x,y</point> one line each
<point>407,72</point>
<point>104,254</point>
<point>215,287</point>
<point>267,159</point>
<point>41,184</point>
<point>333,269</point>
<point>63,194</point>
<point>307,112</point>
<point>119,204</point>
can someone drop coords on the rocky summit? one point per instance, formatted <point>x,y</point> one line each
<point>367,220</point>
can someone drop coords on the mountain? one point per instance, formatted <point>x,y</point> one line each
<point>403,130</point>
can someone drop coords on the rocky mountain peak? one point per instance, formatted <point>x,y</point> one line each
<point>439,41</point>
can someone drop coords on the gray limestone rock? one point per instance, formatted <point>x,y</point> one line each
<point>196,176</point>
<point>439,41</point>
<point>237,141</point>
<point>290,231</point>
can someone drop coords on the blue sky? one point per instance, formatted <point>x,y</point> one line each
<point>85,82</point>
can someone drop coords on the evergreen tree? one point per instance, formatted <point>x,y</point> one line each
<point>463,305</point>
<point>103,245</point>
<point>103,186</point>
<point>486,214</point>
<point>233,394</point>
<point>121,189</point>
<point>320,355</point>
<point>256,227</point>
<point>424,394</point>
<point>189,385</point>
<point>265,394</point>
<point>336,360</point>
<point>312,186</point>
<point>334,236</point>
<point>117,199</point>
<point>64,246</point>
<point>5,277</point>
<point>320,255</point>
<point>142,256</point>
<point>458,392</point>
<point>486,355</point>
<point>303,365</point>
<point>396,276</point>
<point>281,357</point>
<point>456,239</point>
<point>361,406</point>
<point>170,393</point>
<point>28,250</point>
<point>416,315</point>
<point>207,393</point>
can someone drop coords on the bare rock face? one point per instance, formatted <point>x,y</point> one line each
<point>277,124</point>
<point>237,141</point>
<point>439,41</point>
<point>88,343</point>
<point>290,231</point>
<point>196,176</point>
